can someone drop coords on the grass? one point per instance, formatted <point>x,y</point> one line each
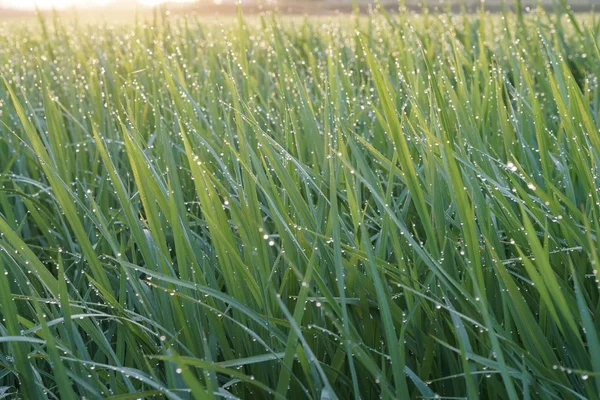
<point>392,206</point>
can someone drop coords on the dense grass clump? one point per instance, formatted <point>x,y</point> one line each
<point>352,207</point>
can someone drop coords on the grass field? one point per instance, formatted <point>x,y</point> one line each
<point>390,206</point>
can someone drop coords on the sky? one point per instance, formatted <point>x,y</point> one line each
<point>30,4</point>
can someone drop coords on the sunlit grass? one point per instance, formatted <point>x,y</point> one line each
<point>354,207</point>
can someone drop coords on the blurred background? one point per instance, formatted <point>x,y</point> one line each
<point>27,7</point>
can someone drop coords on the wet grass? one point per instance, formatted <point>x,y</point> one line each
<point>356,207</point>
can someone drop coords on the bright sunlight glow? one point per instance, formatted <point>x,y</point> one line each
<point>59,4</point>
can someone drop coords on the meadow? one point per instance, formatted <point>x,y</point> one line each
<point>389,206</point>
